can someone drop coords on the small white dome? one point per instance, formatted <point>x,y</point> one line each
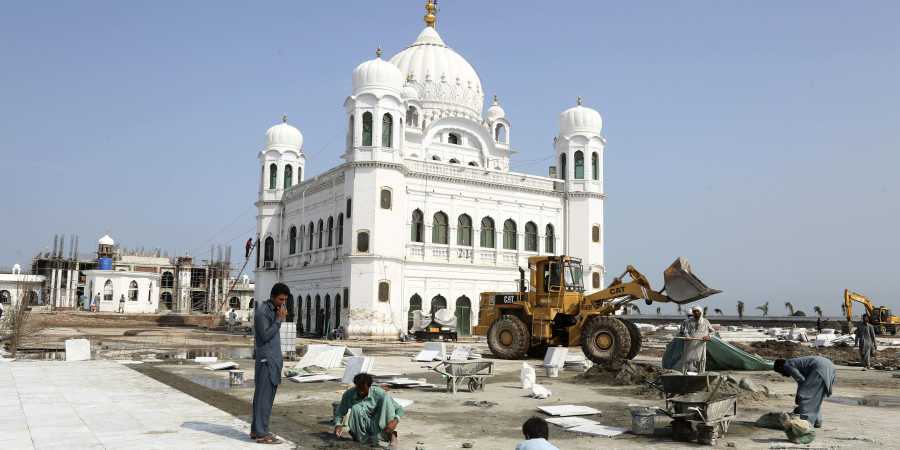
<point>377,73</point>
<point>410,92</point>
<point>495,111</point>
<point>580,118</point>
<point>106,240</point>
<point>284,136</point>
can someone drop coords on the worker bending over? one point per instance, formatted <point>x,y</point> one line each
<point>865,339</point>
<point>368,413</point>
<point>815,377</point>
<point>695,331</point>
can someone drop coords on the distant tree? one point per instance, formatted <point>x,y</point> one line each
<point>764,308</point>
<point>818,311</point>
<point>789,307</point>
<point>799,313</point>
<point>719,312</point>
<point>658,311</point>
<point>740,308</point>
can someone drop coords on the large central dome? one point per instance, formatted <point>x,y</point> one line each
<point>444,80</point>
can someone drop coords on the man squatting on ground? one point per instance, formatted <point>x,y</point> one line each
<point>536,435</point>
<point>267,349</point>
<point>865,339</point>
<point>695,331</point>
<point>368,413</point>
<point>815,377</point>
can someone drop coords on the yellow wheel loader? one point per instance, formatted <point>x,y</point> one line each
<point>555,311</point>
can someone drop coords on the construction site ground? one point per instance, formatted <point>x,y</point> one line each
<point>490,419</point>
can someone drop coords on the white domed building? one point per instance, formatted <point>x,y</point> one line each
<point>424,212</point>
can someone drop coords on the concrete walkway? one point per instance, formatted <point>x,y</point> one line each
<point>105,405</point>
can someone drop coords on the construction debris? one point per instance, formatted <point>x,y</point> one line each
<point>540,392</point>
<point>78,350</point>
<point>223,366</point>
<point>314,378</point>
<point>355,366</point>
<point>322,355</point>
<point>428,356</point>
<point>568,410</point>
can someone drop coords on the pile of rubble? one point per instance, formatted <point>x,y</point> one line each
<point>631,373</point>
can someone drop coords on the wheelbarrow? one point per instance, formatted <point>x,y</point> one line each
<point>706,413</point>
<point>471,373</point>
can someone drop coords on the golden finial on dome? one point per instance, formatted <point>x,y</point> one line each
<point>496,102</point>
<point>284,118</point>
<point>580,100</point>
<point>431,13</point>
<point>378,52</point>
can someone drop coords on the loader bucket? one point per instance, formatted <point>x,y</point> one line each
<point>682,286</point>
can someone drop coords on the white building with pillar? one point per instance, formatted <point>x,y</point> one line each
<point>424,212</point>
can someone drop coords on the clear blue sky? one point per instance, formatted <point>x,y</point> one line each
<point>757,139</point>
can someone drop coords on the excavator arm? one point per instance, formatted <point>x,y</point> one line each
<point>681,286</point>
<point>850,297</point>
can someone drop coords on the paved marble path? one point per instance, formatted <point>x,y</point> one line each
<point>105,405</point>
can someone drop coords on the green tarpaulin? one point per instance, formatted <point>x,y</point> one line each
<point>720,355</point>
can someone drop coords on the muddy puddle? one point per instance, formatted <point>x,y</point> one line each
<point>218,384</point>
<point>886,401</point>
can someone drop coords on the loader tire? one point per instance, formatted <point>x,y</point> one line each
<point>635,335</point>
<point>605,341</point>
<point>508,338</point>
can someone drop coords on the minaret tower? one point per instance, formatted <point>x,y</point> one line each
<point>282,166</point>
<point>579,155</point>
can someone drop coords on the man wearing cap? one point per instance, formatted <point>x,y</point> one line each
<point>695,331</point>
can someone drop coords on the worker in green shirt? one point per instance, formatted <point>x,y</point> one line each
<point>368,413</point>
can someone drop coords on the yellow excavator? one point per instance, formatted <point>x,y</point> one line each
<point>879,316</point>
<point>555,311</point>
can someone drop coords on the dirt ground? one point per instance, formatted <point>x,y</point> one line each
<point>490,419</point>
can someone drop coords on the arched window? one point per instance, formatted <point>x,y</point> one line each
<point>251,304</point>
<point>415,304</point>
<point>312,231</point>
<point>108,291</point>
<point>487,232</point>
<point>234,302</point>
<point>453,161</point>
<point>453,138</point>
<point>384,291</point>
<point>464,230</point>
<point>167,280</point>
<point>362,242</point>
<point>500,133</point>
<point>387,131</point>
<point>412,117</point>
<point>473,163</point>
<point>292,244</point>
<point>385,198</point>
<point>350,131</point>
<point>435,158</point>
<point>309,317</point>
<point>349,207</point>
<point>288,176</point>
<point>595,233</point>
<point>595,166</point>
<point>367,130</point>
<point>595,280</point>
<point>5,297</point>
<point>579,165</point>
<point>300,238</point>
<point>340,229</point>
<point>330,231</point>
<point>337,311</point>
<point>269,250</point>
<point>464,315</point>
<point>417,227</point>
<point>321,232</point>
<point>166,300</point>
<point>549,240</point>
<point>273,176</point>
<point>132,291</point>
<point>439,228</point>
<point>438,303</point>
<point>510,235</point>
<point>531,237</point>
<point>563,172</point>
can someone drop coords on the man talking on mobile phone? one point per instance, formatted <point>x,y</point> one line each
<point>267,343</point>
